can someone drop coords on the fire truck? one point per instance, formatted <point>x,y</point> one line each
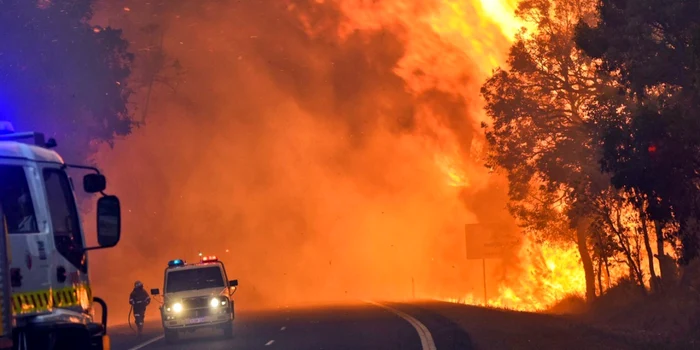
<point>46,301</point>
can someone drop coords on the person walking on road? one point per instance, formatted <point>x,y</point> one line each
<point>139,300</point>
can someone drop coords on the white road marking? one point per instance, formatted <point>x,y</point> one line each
<point>426,339</point>
<point>283,328</point>
<point>143,345</point>
<point>269,343</point>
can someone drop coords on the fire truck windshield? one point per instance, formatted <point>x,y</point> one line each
<point>193,279</point>
<point>64,217</point>
<point>16,200</point>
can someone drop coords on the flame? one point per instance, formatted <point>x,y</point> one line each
<point>549,272</point>
<point>447,41</point>
<point>450,42</point>
<point>445,38</point>
<point>455,175</point>
<point>451,45</point>
<point>552,271</point>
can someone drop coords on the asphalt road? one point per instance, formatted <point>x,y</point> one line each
<point>406,326</point>
<point>362,326</point>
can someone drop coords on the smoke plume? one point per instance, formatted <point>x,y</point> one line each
<point>319,160</point>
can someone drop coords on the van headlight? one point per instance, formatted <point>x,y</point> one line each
<point>216,302</point>
<point>176,308</point>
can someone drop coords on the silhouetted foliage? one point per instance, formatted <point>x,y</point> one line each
<point>62,76</point>
<point>146,24</point>
<point>558,112</point>
<point>650,128</point>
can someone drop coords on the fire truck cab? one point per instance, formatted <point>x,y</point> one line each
<point>46,277</point>
<point>196,296</point>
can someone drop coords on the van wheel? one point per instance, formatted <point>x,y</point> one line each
<point>170,336</point>
<point>228,329</point>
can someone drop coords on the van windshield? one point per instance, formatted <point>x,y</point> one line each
<point>193,279</point>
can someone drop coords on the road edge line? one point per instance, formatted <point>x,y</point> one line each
<point>147,343</point>
<point>426,338</point>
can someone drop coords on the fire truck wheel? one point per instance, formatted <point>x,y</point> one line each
<point>73,339</point>
<point>100,343</point>
<point>54,340</point>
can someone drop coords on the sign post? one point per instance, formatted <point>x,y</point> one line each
<point>487,241</point>
<point>483,268</point>
<point>413,288</point>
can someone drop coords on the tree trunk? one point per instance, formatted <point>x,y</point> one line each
<point>600,276</point>
<point>635,269</point>
<point>586,260</point>
<point>654,283</point>
<point>607,272</point>
<point>660,249</point>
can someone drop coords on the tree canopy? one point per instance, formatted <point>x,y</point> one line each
<point>540,133</point>
<point>62,76</point>
<point>650,129</point>
<point>589,131</point>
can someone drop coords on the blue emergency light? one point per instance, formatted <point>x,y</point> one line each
<point>7,133</point>
<point>176,262</point>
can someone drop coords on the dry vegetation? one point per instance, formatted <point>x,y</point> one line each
<point>669,318</point>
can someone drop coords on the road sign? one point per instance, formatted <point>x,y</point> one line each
<point>487,241</point>
<point>490,240</point>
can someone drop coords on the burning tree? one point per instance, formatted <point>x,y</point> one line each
<point>542,134</point>
<point>649,128</point>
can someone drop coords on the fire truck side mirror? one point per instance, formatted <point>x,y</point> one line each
<point>94,183</point>
<point>108,221</point>
<point>155,291</point>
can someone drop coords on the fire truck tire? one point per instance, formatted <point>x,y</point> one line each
<point>53,340</point>
<point>74,340</point>
<point>171,336</point>
<point>100,343</point>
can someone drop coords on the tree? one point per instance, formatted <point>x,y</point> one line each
<point>147,26</point>
<point>62,76</point>
<point>651,126</point>
<point>541,134</point>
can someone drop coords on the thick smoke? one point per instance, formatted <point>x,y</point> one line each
<point>296,155</point>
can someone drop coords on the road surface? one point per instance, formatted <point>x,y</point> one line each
<point>362,326</point>
<point>418,326</point>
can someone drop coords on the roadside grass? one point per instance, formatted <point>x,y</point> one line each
<point>671,316</point>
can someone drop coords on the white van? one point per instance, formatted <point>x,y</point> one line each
<point>196,296</point>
